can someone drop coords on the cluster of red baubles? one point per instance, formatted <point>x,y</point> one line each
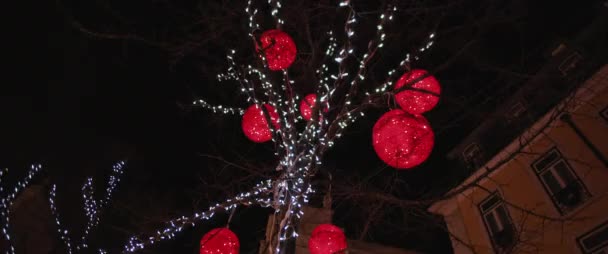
<point>256,127</point>
<point>403,138</point>
<point>324,239</point>
<point>280,52</point>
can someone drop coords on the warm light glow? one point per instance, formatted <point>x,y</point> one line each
<point>416,102</point>
<point>326,239</point>
<point>220,241</point>
<point>402,140</point>
<point>255,125</point>
<point>279,49</point>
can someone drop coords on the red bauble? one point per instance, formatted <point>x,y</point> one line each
<point>306,106</point>
<point>279,49</point>
<point>255,125</point>
<point>326,239</point>
<point>220,241</point>
<point>402,140</point>
<point>416,102</point>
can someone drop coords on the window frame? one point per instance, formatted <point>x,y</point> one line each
<point>518,107</point>
<point>604,113</point>
<point>539,174</point>
<point>602,246</point>
<point>472,160</point>
<point>492,209</point>
<point>570,62</point>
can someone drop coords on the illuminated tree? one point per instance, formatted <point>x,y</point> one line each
<point>267,85</point>
<point>343,84</point>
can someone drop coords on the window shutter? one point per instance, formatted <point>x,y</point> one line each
<point>551,182</point>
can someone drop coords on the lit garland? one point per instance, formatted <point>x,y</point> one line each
<point>219,108</point>
<point>92,208</point>
<point>276,6</point>
<point>63,233</point>
<point>7,200</point>
<point>259,196</point>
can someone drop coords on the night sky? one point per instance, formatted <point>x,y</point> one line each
<point>78,104</point>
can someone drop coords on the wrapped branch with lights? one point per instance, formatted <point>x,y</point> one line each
<point>92,209</point>
<point>7,196</point>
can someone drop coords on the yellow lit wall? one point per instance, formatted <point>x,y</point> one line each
<point>541,227</point>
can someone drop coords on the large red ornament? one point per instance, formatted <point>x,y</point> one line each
<point>306,106</point>
<point>417,102</point>
<point>402,140</point>
<point>220,241</point>
<point>279,49</point>
<point>327,239</point>
<point>255,125</point>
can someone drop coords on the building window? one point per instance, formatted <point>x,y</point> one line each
<point>498,223</point>
<point>516,111</point>
<point>473,155</point>
<point>569,63</point>
<point>595,241</point>
<point>559,180</point>
<point>604,113</point>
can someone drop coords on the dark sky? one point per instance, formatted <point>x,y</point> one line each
<point>78,104</point>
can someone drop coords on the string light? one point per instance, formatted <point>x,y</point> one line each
<point>219,108</point>
<point>92,209</point>
<point>259,196</point>
<point>63,233</point>
<point>6,200</point>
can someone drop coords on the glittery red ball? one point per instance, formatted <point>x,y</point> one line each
<point>255,125</point>
<point>326,239</point>
<point>220,241</point>
<point>402,140</point>
<point>306,106</point>
<point>279,49</point>
<point>416,102</point>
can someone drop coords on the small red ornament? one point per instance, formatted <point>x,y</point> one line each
<point>326,239</point>
<point>306,106</point>
<point>220,241</point>
<point>279,49</point>
<point>255,125</point>
<point>402,140</point>
<point>416,102</point>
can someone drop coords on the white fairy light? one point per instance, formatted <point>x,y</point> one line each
<point>92,206</point>
<point>63,233</point>
<point>258,196</point>
<point>219,108</point>
<point>6,200</point>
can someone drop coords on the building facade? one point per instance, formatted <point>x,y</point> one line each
<point>538,174</point>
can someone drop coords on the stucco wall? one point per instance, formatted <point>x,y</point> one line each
<point>519,184</point>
